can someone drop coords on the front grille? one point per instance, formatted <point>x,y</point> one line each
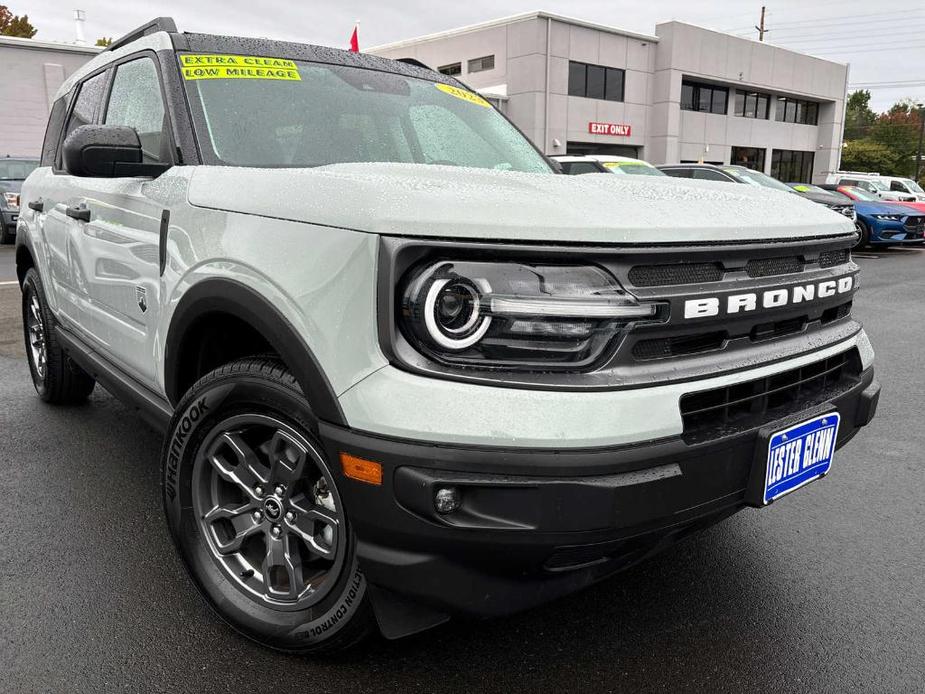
<point>830,315</point>
<point>847,210</point>
<point>766,267</point>
<point>668,275</point>
<point>833,258</point>
<point>719,412</point>
<point>781,328</point>
<point>659,348</point>
<point>915,223</point>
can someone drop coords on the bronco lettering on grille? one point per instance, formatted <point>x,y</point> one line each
<point>772,298</point>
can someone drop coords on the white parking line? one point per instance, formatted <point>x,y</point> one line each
<point>8,284</point>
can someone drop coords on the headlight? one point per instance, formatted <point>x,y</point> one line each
<point>889,217</point>
<point>11,200</point>
<point>508,314</point>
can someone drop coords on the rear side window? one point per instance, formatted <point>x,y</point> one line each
<point>136,101</point>
<point>87,103</point>
<point>53,132</point>
<point>708,175</point>
<point>897,185</point>
<point>679,173</point>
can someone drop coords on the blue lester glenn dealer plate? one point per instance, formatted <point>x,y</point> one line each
<point>799,455</point>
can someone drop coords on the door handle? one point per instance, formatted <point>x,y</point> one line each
<point>80,213</point>
<point>37,205</point>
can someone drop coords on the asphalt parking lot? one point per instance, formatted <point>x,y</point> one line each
<point>823,592</point>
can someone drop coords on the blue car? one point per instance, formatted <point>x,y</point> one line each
<point>883,223</point>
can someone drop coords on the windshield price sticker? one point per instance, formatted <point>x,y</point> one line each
<point>463,94</point>
<point>247,67</point>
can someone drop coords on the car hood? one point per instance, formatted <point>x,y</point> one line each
<point>827,198</point>
<point>864,208</point>
<point>456,202</point>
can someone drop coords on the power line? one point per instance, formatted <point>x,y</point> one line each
<point>904,35</point>
<point>891,82</point>
<point>836,23</point>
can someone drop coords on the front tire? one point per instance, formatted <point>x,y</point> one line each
<point>255,513</point>
<point>57,379</point>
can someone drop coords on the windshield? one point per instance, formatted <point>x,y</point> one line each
<point>912,185</point>
<point>269,112</point>
<point>634,168</point>
<point>807,188</point>
<point>756,178</point>
<point>16,169</point>
<point>861,194</point>
<point>878,185</point>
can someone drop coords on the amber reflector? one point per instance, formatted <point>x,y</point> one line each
<point>360,469</point>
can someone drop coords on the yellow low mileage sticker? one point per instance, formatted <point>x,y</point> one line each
<point>463,94</point>
<point>241,67</point>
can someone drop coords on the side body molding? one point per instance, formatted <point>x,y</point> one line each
<point>221,295</point>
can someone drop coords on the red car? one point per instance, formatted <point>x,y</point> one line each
<point>862,195</point>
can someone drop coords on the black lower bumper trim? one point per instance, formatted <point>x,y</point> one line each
<point>536,524</point>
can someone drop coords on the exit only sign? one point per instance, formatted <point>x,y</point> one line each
<point>620,129</point>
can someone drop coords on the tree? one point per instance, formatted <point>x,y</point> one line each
<point>858,115</point>
<point>867,155</point>
<point>103,41</point>
<point>11,25</point>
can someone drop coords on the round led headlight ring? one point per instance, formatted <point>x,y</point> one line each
<point>453,313</point>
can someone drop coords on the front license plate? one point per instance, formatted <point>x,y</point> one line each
<point>799,455</point>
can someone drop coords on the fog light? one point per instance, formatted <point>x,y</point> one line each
<point>447,500</point>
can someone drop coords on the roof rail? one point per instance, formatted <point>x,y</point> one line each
<point>159,24</point>
<point>415,62</point>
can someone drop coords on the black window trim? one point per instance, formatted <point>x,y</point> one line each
<point>758,95</point>
<point>798,103</point>
<point>72,96</point>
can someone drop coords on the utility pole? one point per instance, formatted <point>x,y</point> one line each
<point>918,157</point>
<point>761,30</point>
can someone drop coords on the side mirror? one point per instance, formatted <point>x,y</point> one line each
<point>106,151</point>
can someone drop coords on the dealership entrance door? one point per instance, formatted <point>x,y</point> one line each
<point>598,148</point>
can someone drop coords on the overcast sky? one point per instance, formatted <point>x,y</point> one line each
<point>883,42</point>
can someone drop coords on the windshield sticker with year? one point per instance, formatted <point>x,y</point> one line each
<point>463,94</point>
<point>211,67</point>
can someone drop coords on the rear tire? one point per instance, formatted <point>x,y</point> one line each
<point>254,510</point>
<point>57,379</point>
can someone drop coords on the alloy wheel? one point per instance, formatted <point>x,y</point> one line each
<point>35,328</point>
<point>268,509</point>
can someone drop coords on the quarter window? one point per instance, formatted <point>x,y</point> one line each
<point>136,101</point>
<point>481,64</point>
<point>596,81</point>
<point>705,98</point>
<point>53,132</point>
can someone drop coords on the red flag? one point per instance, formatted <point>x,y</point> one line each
<point>355,41</point>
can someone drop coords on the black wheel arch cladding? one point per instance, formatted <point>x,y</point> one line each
<point>222,295</point>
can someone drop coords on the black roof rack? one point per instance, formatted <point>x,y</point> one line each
<point>160,24</point>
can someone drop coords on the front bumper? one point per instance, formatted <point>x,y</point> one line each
<point>8,221</point>
<point>538,523</point>
<point>895,233</point>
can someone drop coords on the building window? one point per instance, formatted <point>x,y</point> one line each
<point>792,166</point>
<point>595,81</point>
<point>481,64</point>
<point>752,104</point>
<point>749,157</point>
<point>797,111</point>
<point>451,69</point>
<point>705,98</point>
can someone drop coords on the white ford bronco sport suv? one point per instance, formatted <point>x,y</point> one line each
<point>405,369</point>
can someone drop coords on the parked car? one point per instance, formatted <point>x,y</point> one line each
<point>740,174</point>
<point>855,193</point>
<point>884,187</point>
<point>577,164</point>
<point>13,171</point>
<point>831,199</point>
<point>413,376</point>
<point>885,223</point>
<point>626,165</point>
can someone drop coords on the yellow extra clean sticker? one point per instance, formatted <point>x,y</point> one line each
<point>237,67</point>
<point>463,94</point>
